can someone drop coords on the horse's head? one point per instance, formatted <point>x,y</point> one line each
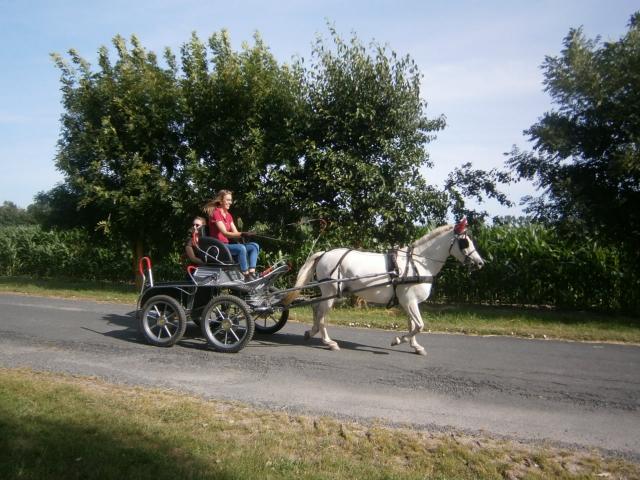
<point>463,248</point>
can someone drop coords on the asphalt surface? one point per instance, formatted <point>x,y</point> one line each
<point>580,394</point>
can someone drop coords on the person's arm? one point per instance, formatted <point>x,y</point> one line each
<point>191,255</point>
<point>234,233</point>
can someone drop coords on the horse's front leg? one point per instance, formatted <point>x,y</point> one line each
<point>415,326</point>
<point>319,315</point>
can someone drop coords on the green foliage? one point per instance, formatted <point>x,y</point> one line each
<point>11,214</point>
<point>121,147</point>
<point>586,155</point>
<point>527,264</point>
<point>59,208</point>
<point>144,143</point>
<point>365,145</point>
<point>243,127</point>
<point>466,182</point>
<point>532,264</point>
<point>30,250</point>
<point>144,146</point>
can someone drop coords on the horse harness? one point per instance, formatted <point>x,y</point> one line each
<point>393,271</point>
<point>409,275</point>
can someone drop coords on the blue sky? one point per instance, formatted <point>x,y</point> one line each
<point>480,61</point>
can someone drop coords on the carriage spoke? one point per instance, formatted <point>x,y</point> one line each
<point>217,331</point>
<point>228,325</point>
<point>234,334</point>
<point>158,328</point>
<point>162,321</point>
<point>239,327</point>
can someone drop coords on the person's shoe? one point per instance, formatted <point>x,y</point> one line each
<point>248,277</point>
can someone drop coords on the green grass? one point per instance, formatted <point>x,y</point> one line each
<point>472,320</point>
<point>71,288</point>
<point>61,427</point>
<point>483,320</point>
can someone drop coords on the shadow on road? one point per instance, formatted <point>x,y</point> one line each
<point>193,337</point>
<point>130,334</point>
<point>286,339</point>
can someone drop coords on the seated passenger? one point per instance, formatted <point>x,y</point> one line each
<point>221,227</point>
<point>198,222</point>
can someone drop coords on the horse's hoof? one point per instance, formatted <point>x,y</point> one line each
<point>421,351</point>
<point>307,336</point>
<point>334,347</point>
<point>395,341</point>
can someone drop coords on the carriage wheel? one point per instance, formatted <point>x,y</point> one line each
<point>270,322</point>
<point>227,324</point>
<point>162,321</point>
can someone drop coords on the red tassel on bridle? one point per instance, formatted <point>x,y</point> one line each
<point>461,226</point>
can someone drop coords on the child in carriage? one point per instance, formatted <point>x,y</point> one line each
<point>198,222</point>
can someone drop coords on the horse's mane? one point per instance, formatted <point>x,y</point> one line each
<point>432,234</point>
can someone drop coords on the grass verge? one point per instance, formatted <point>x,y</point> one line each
<point>54,426</point>
<point>71,288</point>
<point>471,320</point>
<point>485,320</point>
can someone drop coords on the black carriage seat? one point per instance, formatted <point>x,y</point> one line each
<point>211,250</point>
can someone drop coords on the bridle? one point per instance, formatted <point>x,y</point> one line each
<point>463,243</point>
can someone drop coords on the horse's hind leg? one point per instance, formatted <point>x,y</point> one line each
<point>319,314</point>
<point>415,326</point>
<point>314,328</point>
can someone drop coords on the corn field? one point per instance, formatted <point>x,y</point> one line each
<point>526,265</point>
<point>535,265</point>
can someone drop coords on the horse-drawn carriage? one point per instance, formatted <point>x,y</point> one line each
<point>229,309</point>
<point>214,296</point>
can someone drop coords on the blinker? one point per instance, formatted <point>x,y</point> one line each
<point>463,243</point>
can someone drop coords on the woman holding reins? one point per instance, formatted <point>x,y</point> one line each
<point>222,227</point>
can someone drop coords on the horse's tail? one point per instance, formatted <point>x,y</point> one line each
<point>304,276</point>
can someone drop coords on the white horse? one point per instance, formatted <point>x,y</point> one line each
<point>367,273</point>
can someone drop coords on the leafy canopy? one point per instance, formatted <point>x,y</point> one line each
<point>144,144</point>
<point>121,148</point>
<point>586,156</point>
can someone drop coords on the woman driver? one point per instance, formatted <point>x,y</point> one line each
<point>221,226</point>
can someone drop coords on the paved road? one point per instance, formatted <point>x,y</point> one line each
<point>576,393</point>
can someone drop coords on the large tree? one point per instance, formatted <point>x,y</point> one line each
<point>121,148</point>
<point>243,125</point>
<point>143,144</point>
<point>586,153</point>
<point>365,143</point>
<point>342,137</point>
